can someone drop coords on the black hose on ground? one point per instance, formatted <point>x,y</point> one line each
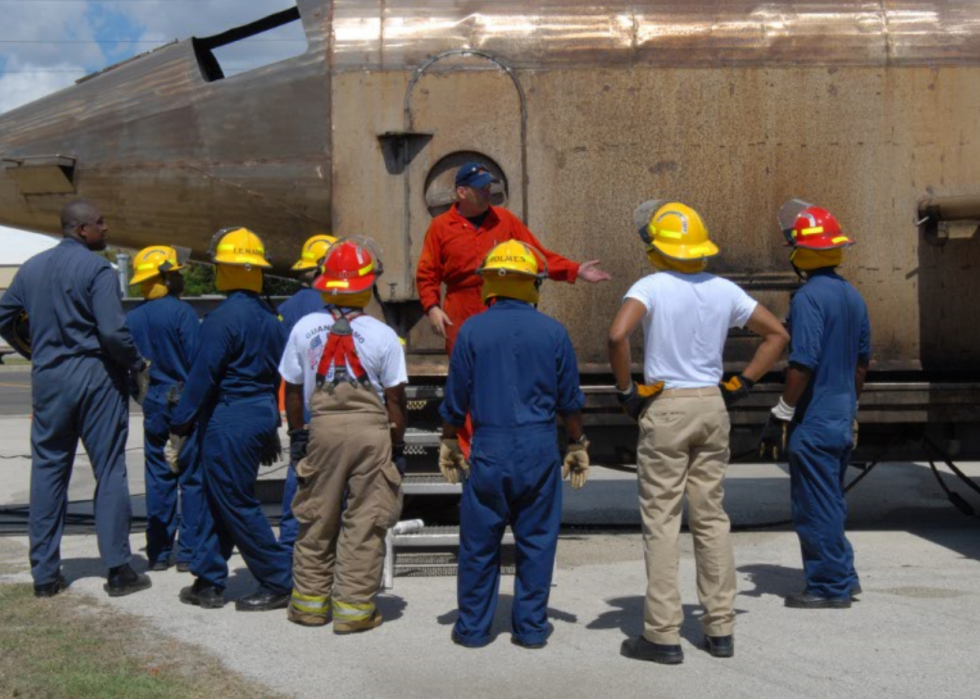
<point>957,500</point>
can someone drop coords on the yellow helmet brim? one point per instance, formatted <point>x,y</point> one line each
<point>233,260</point>
<point>154,271</point>
<point>680,251</point>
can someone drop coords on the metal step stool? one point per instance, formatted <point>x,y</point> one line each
<point>416,563</point>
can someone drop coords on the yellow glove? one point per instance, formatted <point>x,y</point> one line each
<point>171,452</point>
<point>576,464</point>
<point>636,398</point>
<point>452,461</point>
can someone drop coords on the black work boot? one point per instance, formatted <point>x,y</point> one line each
<point>183,566</point>
<point>640,648</point>
<point>123,580</point>
<point>263,601</point>
<point>855,591</point>
<point>808,600</point>
<point>52,588</point>
<point>720,646</point>
<point>203,594</point>
<point>160,565</point>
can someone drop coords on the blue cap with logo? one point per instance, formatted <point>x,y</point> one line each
<point>474,175</point>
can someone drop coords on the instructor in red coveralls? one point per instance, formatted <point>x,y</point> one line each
<point>458,241</point>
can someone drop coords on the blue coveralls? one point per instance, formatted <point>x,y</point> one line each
<point>82,352</point>
<point>302,303</point>
<point>232,392</point>
<point>830,334</point>
<point>513,369</point>
<point>166,332</point>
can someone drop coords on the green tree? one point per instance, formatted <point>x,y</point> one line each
<point>199,280</point>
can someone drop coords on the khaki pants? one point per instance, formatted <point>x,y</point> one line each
<point>341,558</point>
<point>684,449</point>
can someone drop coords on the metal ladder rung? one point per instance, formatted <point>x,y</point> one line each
<point>438,536</point>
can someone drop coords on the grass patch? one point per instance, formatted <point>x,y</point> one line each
<point>14,360</point>
<point>73,646</point>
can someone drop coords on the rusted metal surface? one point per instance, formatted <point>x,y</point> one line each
<point>395,34</point>
<point>585,109</point>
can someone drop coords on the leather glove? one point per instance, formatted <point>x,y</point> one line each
<point>139,381</point>
<point>735,389</point>
<point>271,450</point>
<point>452,463</point>
<point>775,435</point>
<point>637,397</point>
<point>576,464</point>
<point>398,457</point>
<point>171,452</point>
<point>298,441</point>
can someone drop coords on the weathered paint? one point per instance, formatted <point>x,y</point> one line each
<point>588,109</point>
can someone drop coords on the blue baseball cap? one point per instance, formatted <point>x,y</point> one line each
<point>474,175</point>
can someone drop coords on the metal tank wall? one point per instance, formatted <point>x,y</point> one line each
<point>731,107</point>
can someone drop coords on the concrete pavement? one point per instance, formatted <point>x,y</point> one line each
<point>912,635</point>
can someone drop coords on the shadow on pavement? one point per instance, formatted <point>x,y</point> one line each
<point>627,616</point>
<point>501,619</point>
<point>78,568</point>
<point>775,580</point>
<point>391,607</point>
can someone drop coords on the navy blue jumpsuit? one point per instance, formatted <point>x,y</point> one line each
<point>82,351</point>
<point>166,332</point>
<point>300,304</point>
<point>512,369</point>
<point>830,334</point>
<point>232,392</point>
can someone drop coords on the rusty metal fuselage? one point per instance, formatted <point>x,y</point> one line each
<point>586,109</point>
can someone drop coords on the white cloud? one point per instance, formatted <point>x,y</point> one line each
<point>27,82</point>
<point>39,27</point>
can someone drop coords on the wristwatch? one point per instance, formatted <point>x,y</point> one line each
<point>581,440</point>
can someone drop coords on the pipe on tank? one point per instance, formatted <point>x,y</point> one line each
<point>934,211</point>
<point>960,208</point>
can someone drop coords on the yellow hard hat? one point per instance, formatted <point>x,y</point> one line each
<point>313,250</point>
<point>511,257</point>
<point>512,270</point>
<point>678,232</point>
<point>239,247</point>
<point>153,261</point>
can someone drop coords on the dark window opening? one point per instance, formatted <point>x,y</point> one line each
<point>263,42</point>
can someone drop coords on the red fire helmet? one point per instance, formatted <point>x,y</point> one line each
<point>348,267</point>
<point>817,229</point>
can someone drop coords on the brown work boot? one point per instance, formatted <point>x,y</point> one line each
<point>306,619</point>
<point>345,627</point>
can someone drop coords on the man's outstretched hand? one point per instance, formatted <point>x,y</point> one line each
<point>590,272</point>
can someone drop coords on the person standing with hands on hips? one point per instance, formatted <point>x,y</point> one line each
<point>684,426</point>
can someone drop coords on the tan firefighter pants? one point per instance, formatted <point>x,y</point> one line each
<point>683,449</point>
<point>338,556</point>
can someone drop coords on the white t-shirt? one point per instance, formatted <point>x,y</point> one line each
<point>687,321</point>
<point>378,348</point>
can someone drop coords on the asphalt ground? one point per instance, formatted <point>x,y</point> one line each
<point>15,390</point>
<point>914,633</point>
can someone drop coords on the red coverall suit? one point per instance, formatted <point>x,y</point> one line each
<point>453,250</point>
